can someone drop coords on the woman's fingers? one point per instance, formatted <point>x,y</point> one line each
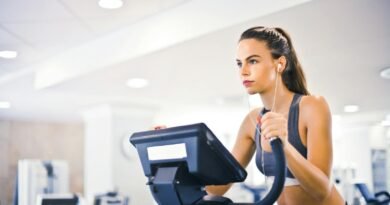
<point>159,127</point>
<point>279,120</point>
<point>274,133</point>
<point>267,130</point>
<point>258,120</point>
<point>274,126</point>
<point>270,115</point>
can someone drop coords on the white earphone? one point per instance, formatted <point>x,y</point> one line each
<point>279,67</point>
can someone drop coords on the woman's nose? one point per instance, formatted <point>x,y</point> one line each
<point>245,70</point>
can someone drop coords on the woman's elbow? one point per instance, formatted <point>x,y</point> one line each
<point>323,192</point>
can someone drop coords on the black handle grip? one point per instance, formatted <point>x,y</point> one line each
<point>280,175</point>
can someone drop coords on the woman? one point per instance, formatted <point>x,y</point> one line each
<point>268,66</point>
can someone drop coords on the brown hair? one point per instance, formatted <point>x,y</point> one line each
<point>279,43</point>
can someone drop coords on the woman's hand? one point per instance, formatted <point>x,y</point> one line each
<point>159,127</point>
<point>273,125</point>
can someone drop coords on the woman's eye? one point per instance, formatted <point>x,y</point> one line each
<point>239,64</point>
<point>252,61</point>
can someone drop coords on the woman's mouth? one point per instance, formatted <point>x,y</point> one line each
<point>247,83</point>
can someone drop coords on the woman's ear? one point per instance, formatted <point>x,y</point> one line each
<point>281,64</point>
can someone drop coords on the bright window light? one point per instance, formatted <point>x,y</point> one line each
<point>8,54</point>
<point>351,108</point>
<point>137,82</point>
<point>4,105</point>
<point>110,4</point>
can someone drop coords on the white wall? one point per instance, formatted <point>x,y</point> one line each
<point>378,137</point>
<point>107,168</point>
<point>354,137</point>
<point>388,156</point>
<point>128,175</point>
<point>97,152</point>
<point>352,150</point>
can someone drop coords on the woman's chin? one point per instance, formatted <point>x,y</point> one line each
<point>251,92</point>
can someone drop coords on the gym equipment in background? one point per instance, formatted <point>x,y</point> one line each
<point>111,198</point>
<point>256,191</point>
<point>36,177</point>
<point>58,199</point>
<point>379,198</point>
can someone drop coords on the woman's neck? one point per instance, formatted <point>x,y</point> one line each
<point>282,102</point>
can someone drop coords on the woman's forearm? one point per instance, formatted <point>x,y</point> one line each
<point>218,190</point>
<point>311,178</point>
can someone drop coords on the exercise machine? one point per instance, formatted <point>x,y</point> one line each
<point>256,191</point>
<point>111,198</point>
<point>35,177</point>
<point>180,161</point>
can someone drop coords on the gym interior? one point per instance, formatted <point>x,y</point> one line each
<point>79,78</point>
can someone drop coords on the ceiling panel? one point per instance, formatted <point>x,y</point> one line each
<point>103,20</point>
<point>43,28</point>
<point>7,40</point>
<point>46,34</point>
<point>11,42</point>
<point>33,11</point>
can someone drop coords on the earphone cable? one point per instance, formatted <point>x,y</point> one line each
<point>258,130</point>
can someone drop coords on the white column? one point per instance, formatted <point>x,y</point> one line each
<point>111,162</point>
<point>98,151</point>
<point>388,155</point>
<point>4,163</point>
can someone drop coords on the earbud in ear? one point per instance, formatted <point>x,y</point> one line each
<point>279,68</point>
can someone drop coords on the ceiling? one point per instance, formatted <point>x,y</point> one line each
<point>74,55</point>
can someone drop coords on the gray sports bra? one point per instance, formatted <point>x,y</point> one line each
<point>293,138</point>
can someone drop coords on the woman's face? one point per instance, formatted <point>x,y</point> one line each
<point>256,66</point>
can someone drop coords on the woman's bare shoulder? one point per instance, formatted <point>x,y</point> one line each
<point>314,108</point>
<point>313,103</point>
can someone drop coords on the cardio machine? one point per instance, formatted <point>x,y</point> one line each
<point>180,161</point>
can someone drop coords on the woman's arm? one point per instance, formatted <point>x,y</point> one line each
<point>243,150</point>
<point>313,173</point>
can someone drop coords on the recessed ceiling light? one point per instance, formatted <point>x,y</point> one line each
<point>110,4</point>
<point>137,82</point>
<point>351,108</point>
<point>4,105</point>
<point>8,54</point>
<point>385,73</point>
